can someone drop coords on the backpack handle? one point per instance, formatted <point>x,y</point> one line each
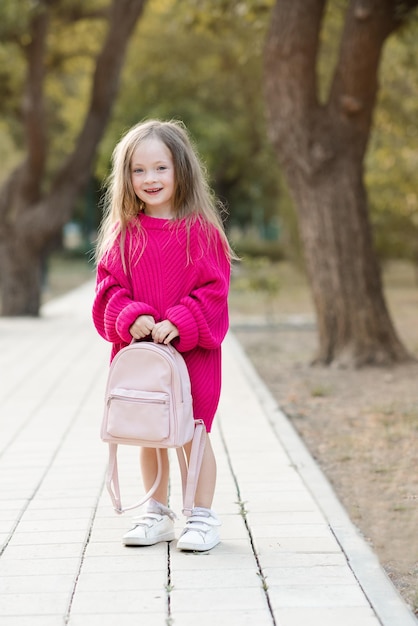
<point>112,481</point>
<point>189,473</point>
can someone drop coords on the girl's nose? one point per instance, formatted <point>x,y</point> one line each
<point>150,176</point>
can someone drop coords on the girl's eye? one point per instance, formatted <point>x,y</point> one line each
<point>138,170</point>
<point>162,167</point>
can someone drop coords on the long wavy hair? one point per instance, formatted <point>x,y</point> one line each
<point>193,197</point>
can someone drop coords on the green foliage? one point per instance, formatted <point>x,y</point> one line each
<point>189,63</point>
<point>330,35</point>
<point>258,275</point>
<point>392,160</point>
<point>73,48</point>
<point>73,43</point>
<point>9,155</point>
<point>15,19</point>
<point>252,248</point>
<point>13,22</point>
<point>201,61</point>
<point>392,157</point>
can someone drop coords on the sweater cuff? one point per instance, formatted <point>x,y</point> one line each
<point>181,317</point>
<point>128,315</point>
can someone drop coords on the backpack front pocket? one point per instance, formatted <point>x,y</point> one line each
<point>138,415</point>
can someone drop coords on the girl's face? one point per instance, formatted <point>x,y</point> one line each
<point>152,176</point>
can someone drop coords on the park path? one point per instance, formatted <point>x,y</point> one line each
<point>289,555</point>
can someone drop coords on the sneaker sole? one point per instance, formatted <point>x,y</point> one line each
<point>197,547</point>
<point>148,541</point>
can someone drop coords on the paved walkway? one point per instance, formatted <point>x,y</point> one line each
<point>289,555</point>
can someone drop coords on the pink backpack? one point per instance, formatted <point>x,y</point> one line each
<point>148,403</point>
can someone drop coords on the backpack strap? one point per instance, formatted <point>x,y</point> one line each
<point>190,471</point>
<point>112,481</point>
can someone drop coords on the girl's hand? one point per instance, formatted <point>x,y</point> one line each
<point>142,326</point>
<point>164,332</point>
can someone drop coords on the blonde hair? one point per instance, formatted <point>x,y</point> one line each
<point>192,194</point>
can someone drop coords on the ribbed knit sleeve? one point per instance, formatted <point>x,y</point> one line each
<point>178,270</point>
<point>114,310</point>
<point>202,316</point>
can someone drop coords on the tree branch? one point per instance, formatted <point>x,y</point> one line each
<point>355,84</point>
<point>403,9</point>
<point>75,173</point>
<point>291,54</point>
<point>33,106</point>
<point>291,84</point>
<point>367,25</point>
<point>74,12</point>
<point>7,197</point>
<point>123,17</point>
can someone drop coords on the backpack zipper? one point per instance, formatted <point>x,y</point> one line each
<point>138,400</point>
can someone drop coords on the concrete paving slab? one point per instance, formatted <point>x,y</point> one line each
<point>33,620</point>
<point>347,616</point>
<point>225,599</point>
<point>15,604</point>
<point>134,601</point>
<point>38,583</point>
<point>237,617</point>
<point>115,619</point>
<point>289,554</point>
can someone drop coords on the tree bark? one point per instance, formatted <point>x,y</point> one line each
<point>321,148</point>
<point>30,219</point>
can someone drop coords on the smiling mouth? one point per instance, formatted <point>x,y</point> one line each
<point>152,191</point>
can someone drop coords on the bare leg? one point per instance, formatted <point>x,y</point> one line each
<point>157,523</point>
<point>201,531</point>
<point>148,458</point>
<point>207,479</point>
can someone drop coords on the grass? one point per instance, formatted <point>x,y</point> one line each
<point>262,287</point>
<point>320,392</point>
<point>64,274</point>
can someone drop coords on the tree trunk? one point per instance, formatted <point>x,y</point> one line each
<point>321,149</point>
<point>29,220</point>
<point>21,278</point>
<point>354,326</point>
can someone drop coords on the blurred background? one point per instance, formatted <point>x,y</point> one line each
<point>75,75</point>
<point>305,114</point>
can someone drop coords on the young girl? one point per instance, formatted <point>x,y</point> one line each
<point>163,274</point>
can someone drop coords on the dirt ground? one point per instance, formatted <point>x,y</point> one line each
<point>361,426</point>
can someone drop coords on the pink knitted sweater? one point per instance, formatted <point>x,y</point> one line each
<point>184,280</point>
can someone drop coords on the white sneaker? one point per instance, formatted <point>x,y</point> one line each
<point>149,528</point>
<point>200,533</point>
